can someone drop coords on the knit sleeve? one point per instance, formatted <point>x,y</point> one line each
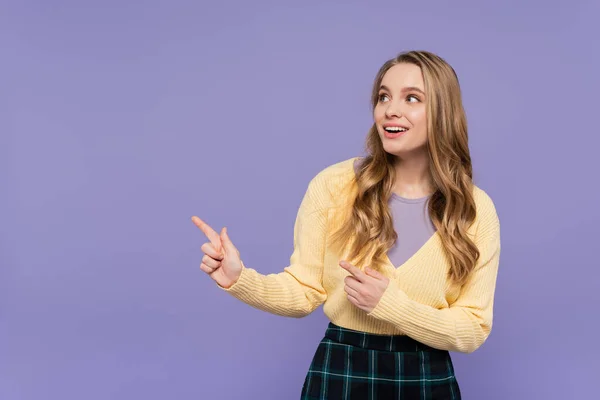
<point>297,290</point>
<point>467,323</point>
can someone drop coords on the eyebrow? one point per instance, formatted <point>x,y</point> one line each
<point>406,89</point>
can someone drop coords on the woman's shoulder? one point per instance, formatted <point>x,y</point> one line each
<point>485,207</point>
<point>337,174</point>
<point>340,168</point>
<point>331,181</point>
<point>482,198</point>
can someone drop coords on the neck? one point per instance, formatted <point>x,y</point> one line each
<point>413,179</point>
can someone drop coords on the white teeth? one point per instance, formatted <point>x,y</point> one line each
<point>395,129</point>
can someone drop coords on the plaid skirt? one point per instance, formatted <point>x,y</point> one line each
<point>350,364</point>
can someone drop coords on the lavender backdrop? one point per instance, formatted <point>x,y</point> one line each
<point>119,120</point>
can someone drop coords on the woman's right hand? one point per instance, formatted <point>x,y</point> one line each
<point>221,260</point>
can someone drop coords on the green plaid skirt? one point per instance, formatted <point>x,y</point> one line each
<point>350,364</point>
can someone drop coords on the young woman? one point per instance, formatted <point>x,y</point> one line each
<point>400,246</point>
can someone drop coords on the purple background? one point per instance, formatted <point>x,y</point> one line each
<point>120,120</point>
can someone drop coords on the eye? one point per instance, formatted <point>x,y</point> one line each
<point>382,97</point>
<point>413,97</point>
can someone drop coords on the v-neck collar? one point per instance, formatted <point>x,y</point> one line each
<point>410,262</point>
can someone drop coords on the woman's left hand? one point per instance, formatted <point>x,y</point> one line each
<point>364,289</point>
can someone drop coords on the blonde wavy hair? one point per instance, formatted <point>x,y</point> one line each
<point>368,230</point>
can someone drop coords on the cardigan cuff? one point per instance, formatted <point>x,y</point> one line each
<point>239,286</point>
<point>391,304</point>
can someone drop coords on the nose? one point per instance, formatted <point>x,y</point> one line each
<point>393,110</point>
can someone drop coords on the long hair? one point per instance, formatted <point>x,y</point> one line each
<point>367,228</point>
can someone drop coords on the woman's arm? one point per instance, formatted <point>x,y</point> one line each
<point>467,323</point>
<point>298,290</point>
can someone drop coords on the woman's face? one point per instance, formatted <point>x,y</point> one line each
<point>400,112</point>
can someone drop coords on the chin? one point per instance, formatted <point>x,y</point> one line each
<point>397,154</point>
<point>395,148</point>
<point>402,150</point>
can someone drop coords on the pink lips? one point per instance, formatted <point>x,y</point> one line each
<point>394,135</point>
<point>391,125</point>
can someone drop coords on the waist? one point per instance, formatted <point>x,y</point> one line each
<point>370,341</point>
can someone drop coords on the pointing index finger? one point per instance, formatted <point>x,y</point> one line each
<point>357,273</point>
<point>210,233</point>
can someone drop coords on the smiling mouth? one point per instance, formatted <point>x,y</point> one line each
<point>395,129</point>
<point>394,132</point>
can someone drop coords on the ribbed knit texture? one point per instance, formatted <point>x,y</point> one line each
<point>420,301</point>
